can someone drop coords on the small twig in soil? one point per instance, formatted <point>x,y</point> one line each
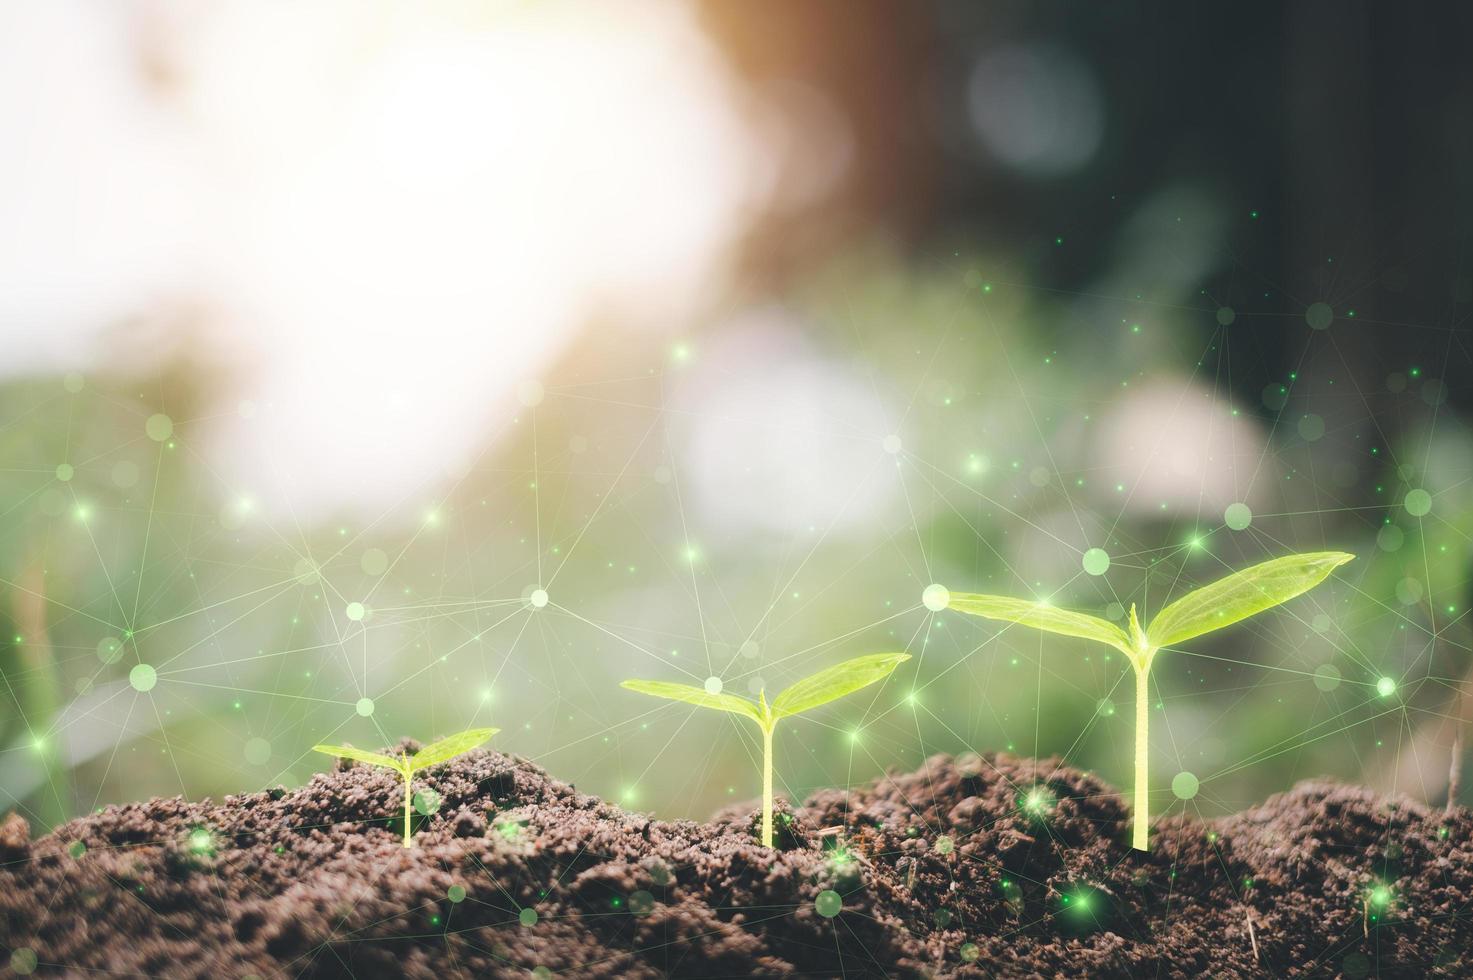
<point>1365,917</point>
<point>1252,936</point>
<point>831,831</point>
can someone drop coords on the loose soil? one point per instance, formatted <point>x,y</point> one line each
<point>946,871</point>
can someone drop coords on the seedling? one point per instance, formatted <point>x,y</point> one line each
<point>407,765</point>
<point>1224,602</point>
<point>818,689</point>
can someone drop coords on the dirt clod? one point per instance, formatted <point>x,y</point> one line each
<point>981,867</point>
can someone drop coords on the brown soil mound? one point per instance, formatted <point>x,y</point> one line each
<point>970,867</point>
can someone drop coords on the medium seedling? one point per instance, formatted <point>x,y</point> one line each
<point>1224,602</point>
<point>818,689</point>
<point>407,765</point>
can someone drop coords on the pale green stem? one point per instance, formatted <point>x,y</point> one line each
<point>1142,815</point>
<point>767,785</point>
<point>408,782</point>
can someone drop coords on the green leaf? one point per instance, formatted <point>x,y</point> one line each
<point>1042,616</point>
<point>696,695</point>
<point>1242,594</point>
<point>358,755</point>
<point>835,682</point>
<point>450,747</point>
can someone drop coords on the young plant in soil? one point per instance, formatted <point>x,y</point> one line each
<point>407,765</point>
<point>817,689</point>
<point>1224,602</point>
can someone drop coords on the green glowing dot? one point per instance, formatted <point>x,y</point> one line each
<point>364,706</point>
<point>1311,427</point>
<point>1096,561</point>
<point>355,611</point>
<point>1381,895</point>
<point>713,685</point>
<point>891,444</point>
<point>945,845</point>
<point>109,649</point>
<point>200,841</point>
<point>1319,316</point>
<point>1238,516</point>
<point>1226,315</point>
<point>969,952</point>
<point>23,961</point>
<point>143,677</point>
<point>374,562</point>
<point>1184,784</point>
<point>936,597</point>
<point>541,973</point>
<point>828,903</point>
<point>64,472</point>
<point>1386,687</point>
<point>538,598</point>
<point>76,849</point>
<point>257,751</point>
<point>641,903</point>
<point>1327,677</point>
<point>159,427</point>
<point>1418,502</point>
<point>1390,538</point>
<point>456,894</point>
<point>427,802</point>
<point>527,917</point>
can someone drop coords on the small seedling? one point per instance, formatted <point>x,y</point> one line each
<point>1224,602</point>
<point>407,765</point>
<point>818,689</point>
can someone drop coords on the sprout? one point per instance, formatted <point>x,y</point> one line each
<point>407,765</point>
<point>818,689</point>
<point>1224,602</point>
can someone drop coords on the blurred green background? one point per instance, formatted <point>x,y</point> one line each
<point>883,295</point>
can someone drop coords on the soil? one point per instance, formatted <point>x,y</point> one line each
<point>946,871</point>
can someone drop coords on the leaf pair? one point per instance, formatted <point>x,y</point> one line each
<point>431,755</point>
<point>1224,602</point>
<point>811,692</point>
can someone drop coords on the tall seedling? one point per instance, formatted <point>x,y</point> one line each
<point>1224,602</point>
<point>820,688</point>
<point>407,765</point>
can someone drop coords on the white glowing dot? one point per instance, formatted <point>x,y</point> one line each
<point>936,597</point>
<point>364,706</point>
<point>530,393</point>
<point>355,611</point>
<point>1096,561</point>
<point>538,598</point>
<point>159,427</point>
<point>1386,687</point>
<point>713,685</point>
<point>891,444</point>
<point>143,677</point>
<point>64,472</point>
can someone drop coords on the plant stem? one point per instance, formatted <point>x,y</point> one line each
<point>408,781</point>
<point>766,786</point>
<point>1142,815</point>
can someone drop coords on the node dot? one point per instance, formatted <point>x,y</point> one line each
<point>828,903</point>
<point>1096,561</point>
<point>143,677</point>
<point>936,597</point>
